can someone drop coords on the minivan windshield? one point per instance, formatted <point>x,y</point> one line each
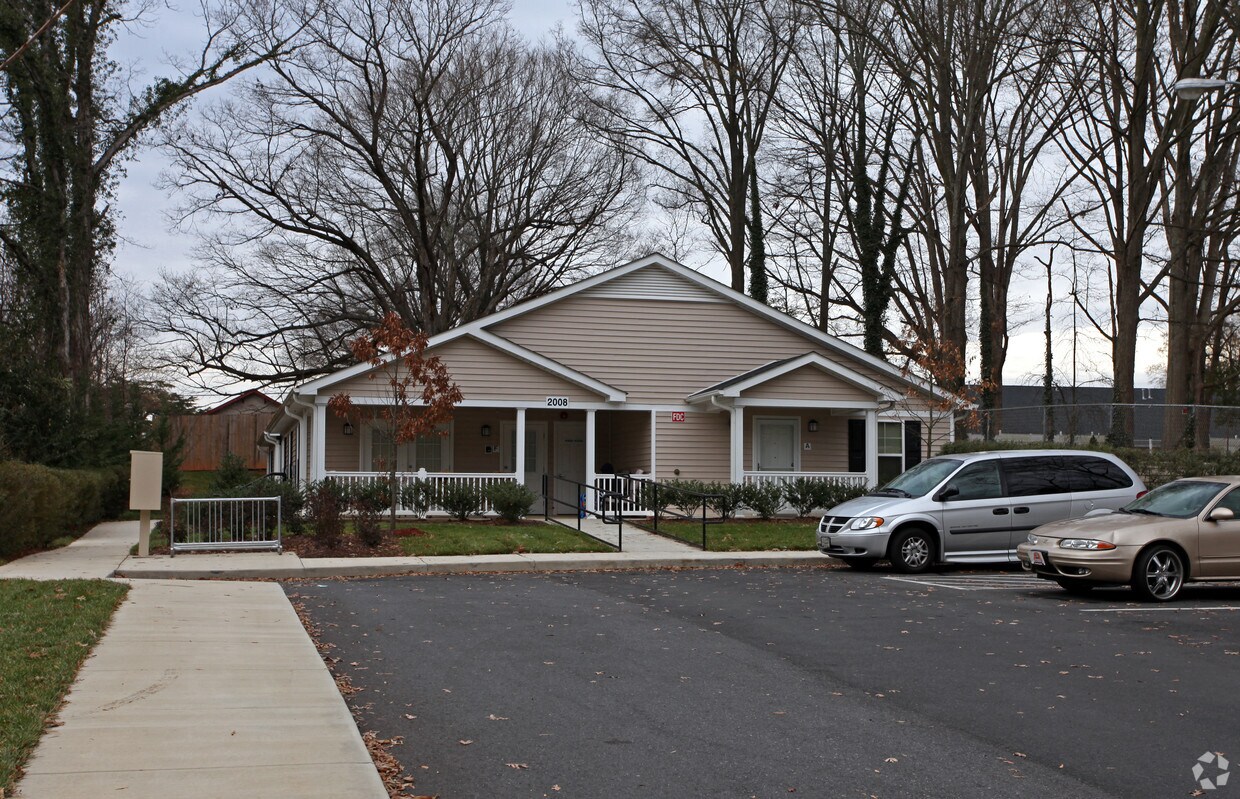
<point>919,480</point>
<point>1181,499</point>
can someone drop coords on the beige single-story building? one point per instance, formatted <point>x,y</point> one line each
<point>649,369</point>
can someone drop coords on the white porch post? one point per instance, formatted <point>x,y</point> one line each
<point>591,497</point>
<point>302,474</point>
<point>871,448</point>
<point>654,426</point>
<point>277,457</point>
<point>518,457</point>
<point>738,444</point>
<point>319,434</point>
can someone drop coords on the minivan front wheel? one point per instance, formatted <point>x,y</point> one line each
<point>912,551</point>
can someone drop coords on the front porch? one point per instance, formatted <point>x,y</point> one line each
<point>611,450</point>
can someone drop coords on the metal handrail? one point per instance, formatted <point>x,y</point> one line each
<point>580,510</point>
<point>655,485</point>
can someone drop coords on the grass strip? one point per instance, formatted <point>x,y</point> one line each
<point>463,538</point>
<point>47,628</point>
<point>746,535</point>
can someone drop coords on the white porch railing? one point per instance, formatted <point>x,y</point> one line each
<point>851,479</point>
<point>633,502</point>
<point>438,481</point>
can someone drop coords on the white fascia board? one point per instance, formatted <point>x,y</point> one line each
<point>549,365</point>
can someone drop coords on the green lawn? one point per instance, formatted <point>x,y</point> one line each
<point>46,630</point>
<point>745,535</point>
<point>471,538</point>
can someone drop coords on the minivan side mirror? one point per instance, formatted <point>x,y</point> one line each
<point>1221,515</point>
<point>946,494</point>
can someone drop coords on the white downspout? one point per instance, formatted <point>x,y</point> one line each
<point>736,443</point>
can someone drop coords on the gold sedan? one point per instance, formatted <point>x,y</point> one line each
<point>1187,530</point>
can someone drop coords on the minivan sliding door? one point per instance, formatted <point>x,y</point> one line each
<point>976,520</point>
<point>1040,490</point>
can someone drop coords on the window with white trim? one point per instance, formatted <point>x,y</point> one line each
<point>890,450</point>
<point>432,452</point>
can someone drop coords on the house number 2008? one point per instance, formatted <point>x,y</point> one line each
<point>557,402</point>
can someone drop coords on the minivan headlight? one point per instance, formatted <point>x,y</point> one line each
<point>1085,543</point>
<point>866,523</point>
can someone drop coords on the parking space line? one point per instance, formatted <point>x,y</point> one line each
<point>997,582</point>
<point>1150,610</point>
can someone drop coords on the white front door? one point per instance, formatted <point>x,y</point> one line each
<point>535,455</point>
<point>775,445</point>
<point>570,463</point>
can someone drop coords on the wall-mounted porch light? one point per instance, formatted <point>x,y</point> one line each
<point>348,427</point>
<point>486,430</point>
<point>813,425</point>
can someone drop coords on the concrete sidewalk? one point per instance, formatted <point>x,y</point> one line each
<point>196,690</point>
<point>94,555</point>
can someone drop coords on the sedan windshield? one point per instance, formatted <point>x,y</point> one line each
<point>919,480</point>
<point>1181,499</point>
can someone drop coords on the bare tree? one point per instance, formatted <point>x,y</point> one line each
<point>418,159</point>
<point>663,69</point>
<point>1198,210</point>
<point>70,120</point>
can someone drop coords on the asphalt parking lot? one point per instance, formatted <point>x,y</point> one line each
<point>763,683</point>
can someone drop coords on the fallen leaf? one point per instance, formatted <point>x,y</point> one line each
<point>516,765</point>
<point>410,716</point>
<point>464,742</point>
<point>494,717</point>
<point>891,760</point>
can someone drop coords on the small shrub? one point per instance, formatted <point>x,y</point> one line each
<point>326,502</point>
<point>764,499</point>
<point>460,501</point>
<point>510,499</point>
<point>417,497</point>
<point>231,473</point>
<point>837,492</point>
<point>725,499</point>
<point>368,501</point>
<point>804,495</point>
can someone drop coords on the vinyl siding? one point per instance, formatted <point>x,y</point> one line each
<point>809,383</point>
<point>698,446</point>
<point>657,351</point>
<point>484,373</point>
<point>624,440</point>
<point>653,283</point>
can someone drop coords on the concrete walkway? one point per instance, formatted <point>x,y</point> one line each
<point>94,555</point>
<point>197,690</point>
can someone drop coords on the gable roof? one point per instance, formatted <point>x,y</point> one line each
<point>709,287</point>
<point>240,398</point>
<point>733,386</point>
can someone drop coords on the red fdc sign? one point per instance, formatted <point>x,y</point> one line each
<point>678,416</point>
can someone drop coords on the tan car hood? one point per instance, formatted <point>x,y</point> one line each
<point>1116,526</point>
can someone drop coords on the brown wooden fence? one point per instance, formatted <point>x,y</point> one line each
<point>207,438</point>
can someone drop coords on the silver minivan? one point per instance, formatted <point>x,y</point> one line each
<point>973,508</point>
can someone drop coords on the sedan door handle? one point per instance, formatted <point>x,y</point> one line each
<point>1000,511</point>
<point>1022,510</point>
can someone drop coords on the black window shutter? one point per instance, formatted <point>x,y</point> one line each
<point>856,445</point>
<point>912,444</point>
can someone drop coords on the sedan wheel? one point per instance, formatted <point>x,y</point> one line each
<point>911,551</point>
<point>1158,575</point>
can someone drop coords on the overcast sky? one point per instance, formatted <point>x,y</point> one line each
<point>147,244</point>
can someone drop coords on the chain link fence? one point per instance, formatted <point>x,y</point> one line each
<point>1144,425</point>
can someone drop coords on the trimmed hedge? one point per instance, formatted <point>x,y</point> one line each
<point>39,504</point>
<point>1154,466</point>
